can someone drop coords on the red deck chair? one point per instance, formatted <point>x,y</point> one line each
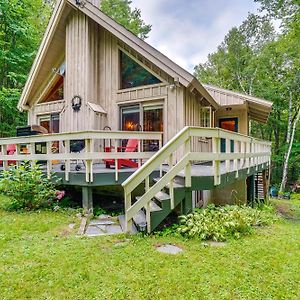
<point>10,149</point>
<point>131,146</point>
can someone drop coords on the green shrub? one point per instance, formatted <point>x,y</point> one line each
<point>220,223</point>
<point>27,187</point>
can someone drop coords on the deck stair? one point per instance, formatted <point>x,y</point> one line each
<point>172,191</point>
<point>259,188</point>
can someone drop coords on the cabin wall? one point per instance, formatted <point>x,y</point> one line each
<point>192,117</point>
<point>240,112</point>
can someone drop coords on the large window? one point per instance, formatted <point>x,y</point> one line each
<point>50,122</point>
<point>133,74</point>
<point>205,116</point>
<point>143,117</point>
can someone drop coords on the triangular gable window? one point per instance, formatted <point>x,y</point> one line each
<point>56,91</point>
<point>133,74</point>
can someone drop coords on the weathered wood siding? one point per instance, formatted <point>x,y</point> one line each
<point>192,117</point>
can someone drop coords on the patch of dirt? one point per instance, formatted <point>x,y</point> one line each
<point>284,210</point>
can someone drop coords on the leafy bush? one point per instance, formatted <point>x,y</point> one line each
<point>27,187</point>
<point>220,223</point>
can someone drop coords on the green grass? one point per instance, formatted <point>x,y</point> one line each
<point>41,258</point>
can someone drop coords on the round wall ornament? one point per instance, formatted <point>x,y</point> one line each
<point>76,103</point>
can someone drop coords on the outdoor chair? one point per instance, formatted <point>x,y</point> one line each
<point>131,146</point>
<point>10,150</point>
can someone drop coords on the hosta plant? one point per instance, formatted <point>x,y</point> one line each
<point>27,187</point>
<point>220,223</point>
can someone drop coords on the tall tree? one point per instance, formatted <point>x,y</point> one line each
<point>255,60</point>
<point>21,27</point>
<point>131,19</point>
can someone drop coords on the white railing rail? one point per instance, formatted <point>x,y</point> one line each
<point>93,151</point>
<point>246,152</point>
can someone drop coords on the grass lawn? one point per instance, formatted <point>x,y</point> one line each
<point>42,258</point>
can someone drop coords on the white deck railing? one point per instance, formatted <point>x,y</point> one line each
<point>248,152</point>
<point>57,148</point>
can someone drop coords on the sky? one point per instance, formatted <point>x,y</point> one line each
<point>188,30</point>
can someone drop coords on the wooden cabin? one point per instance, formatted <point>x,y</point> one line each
<point>94,81</point>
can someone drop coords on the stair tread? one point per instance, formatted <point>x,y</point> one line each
<point>121,219</point>
<point>153,205</point>
<point>162,196</point>
<point>175,184</point>
<point>139,218</point>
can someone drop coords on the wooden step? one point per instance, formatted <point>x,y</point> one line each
<point>140,218</point>
<point>121,219</point>
<point>175,184</point>
<point>153,205</point>
<point>162,196</point>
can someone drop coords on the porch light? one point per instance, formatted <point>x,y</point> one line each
<point>142,227</point>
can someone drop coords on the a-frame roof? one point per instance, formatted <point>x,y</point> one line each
<point>56,24</point>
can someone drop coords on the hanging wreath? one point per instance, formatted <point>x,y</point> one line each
<point>76,103</point>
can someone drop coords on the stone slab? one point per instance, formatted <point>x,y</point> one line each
<point>169,249</point>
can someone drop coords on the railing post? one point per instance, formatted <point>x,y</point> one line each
<point>139,150</point>
<point>188,168</point>
<point>127,200</point>
<point>87,161</point>
<point>67,161</point>
<point>116,161</point>
<point>148,212</point>
<point>242,160</point>
<point>49,162</point>
<point>216,162</point>
<point>32,152</point>
<point>171,190</point>
<point>4,152</point>
<point>235,162</point>
<point>228,150</point>
<point>160,167</point>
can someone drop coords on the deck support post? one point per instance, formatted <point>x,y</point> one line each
<point>251,190</point>
<point>187,203</point>
<point>87,199</point>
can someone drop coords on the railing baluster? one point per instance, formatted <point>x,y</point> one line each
<point>235,162</point>
<point>171,189</point>
<point>116,160</point>
<point>32,152</point>
<point>128,223</point>
<point>160,166</point>
<point>216,162</point>
<point>148,207</point>
<point>67,161</point>
<point>49,162</point>
<point>228,150</point>
<point>139,150</point>
<point>188,168</point>
<point>87,161</point>
<point>4,152</point>
<point>242,160</point>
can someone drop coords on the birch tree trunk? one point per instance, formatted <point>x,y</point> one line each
<point>287,156</point>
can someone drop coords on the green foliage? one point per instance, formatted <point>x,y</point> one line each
<point>21,26</point>
<point>221,223</point>
<point>42,258</point>
<point>27,188</point>
<point>10,117</point>
<point>256,60</point>
<point>121,12</point>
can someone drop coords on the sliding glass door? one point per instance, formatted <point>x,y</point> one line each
<point>146,117</point>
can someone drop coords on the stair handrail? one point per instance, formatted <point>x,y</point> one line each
<point>156,160</point>
<point>183,137</point>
